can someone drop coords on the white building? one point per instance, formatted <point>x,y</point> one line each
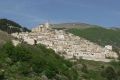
<point>72,45</point>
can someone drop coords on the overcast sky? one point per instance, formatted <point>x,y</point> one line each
<point>30,13</point>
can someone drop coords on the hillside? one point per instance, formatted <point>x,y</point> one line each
<point>26,62</point>
<point>36,62</point>
<point>10,26</point>
<point>100,36</point>
<point>4,37</point>
<point>72,25</point>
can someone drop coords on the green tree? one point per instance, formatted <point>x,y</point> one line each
<point>21,54</point>
<point>8,48</point>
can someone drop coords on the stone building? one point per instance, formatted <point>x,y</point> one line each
<point>67,44</point>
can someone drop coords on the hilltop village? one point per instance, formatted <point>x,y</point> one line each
<point>67,44</point>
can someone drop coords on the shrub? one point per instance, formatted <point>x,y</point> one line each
<point>84,68</point>
<point>109,73</point>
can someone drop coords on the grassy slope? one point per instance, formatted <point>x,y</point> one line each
<point>26,62</point>
<point>95,69</point>
<point>4,37</point>
<point>100,36</point>
<point>72,25</point>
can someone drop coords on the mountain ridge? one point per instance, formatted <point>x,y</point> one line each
<point>10,26</point>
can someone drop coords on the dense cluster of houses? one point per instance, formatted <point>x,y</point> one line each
<point>66,44</point>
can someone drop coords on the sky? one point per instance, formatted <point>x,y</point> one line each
<point>30,13</point>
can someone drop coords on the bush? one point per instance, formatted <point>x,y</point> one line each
<point>21,54</point>
<point>84,68</point>
<point>25,61</point>
<point>9,48</point>
<point>109,73</point>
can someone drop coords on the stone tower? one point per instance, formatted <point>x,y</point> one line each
<point>47,25</point>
